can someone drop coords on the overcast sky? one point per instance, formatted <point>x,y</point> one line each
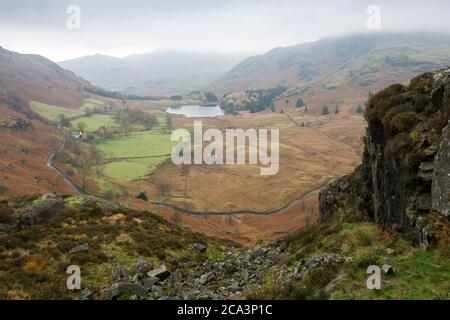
<point>120,28</point>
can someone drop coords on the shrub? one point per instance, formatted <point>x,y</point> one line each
<point>325,110</point>
<point>390,115</point>
<point>300,103</point>
<point>359,109</point>
<point>211,97</point>
<point>405,121</point>
<point>142,196</point>
<point>3,189</point>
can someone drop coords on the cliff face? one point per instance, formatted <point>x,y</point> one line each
<point>441,176</point>
<point>405,176</point>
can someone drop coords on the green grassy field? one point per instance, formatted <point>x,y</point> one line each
<point>92,103</point>
<point>52,112</point>
<point>136,145</point>
<point>96,121</point>
<point>129,170</point>
<point>133,156</point>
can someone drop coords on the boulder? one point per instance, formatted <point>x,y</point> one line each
<point>199,247</point>
<point>81,248</point>
<point>387,269</point>
<point>206,278</point>
<point>161,273</point>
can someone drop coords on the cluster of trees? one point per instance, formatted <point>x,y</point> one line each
<point>300,103</point>
<point>118,95</point>
<point>255,100</point>
<point>21,125</point>
<point>147,120</point>
<point>211,97</point>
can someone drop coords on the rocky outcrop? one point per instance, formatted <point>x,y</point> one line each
<point>239,272</point>
<point>406,161</point>
<point>306,268</point>
<point>441,176</point>
<point>43,209</point>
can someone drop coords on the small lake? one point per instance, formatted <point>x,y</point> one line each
<point>197,111</point>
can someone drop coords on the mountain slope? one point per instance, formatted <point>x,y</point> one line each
<point>330,71</point>
<point>34,77</point>
<point>158,73</point>
<point>27,140</point>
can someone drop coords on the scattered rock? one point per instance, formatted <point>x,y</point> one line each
<point>142,266</point>
<point>86,294</point>
<point>149,282</point>
<point>199,247</point>
<point>317,262</point>
<point>387,269</point>
<point>125,288</point>
<point>161,273</point>
<point>81,248</point>
<point>120,272</point>
<point>158,290</point>
<point>206,278</point>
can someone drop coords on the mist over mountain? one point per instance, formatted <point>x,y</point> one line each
<point>339,70</point>
<point>162,72</point>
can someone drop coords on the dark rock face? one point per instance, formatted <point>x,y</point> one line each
<point>406,162</point>
<point>441,176</point>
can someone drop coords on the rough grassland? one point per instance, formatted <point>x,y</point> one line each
<point>52,112</point>
<point>418,273</point>
<point>36,259</point>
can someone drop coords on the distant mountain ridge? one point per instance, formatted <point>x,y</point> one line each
<point>333,70</point>
<point>162,72</point>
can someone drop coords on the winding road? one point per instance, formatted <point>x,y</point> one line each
<point>245,212</point>
<point>291,204</point>
<point>67,180</point>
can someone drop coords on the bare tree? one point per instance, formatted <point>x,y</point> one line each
<point>176,219</point>
<point>163,188</point>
